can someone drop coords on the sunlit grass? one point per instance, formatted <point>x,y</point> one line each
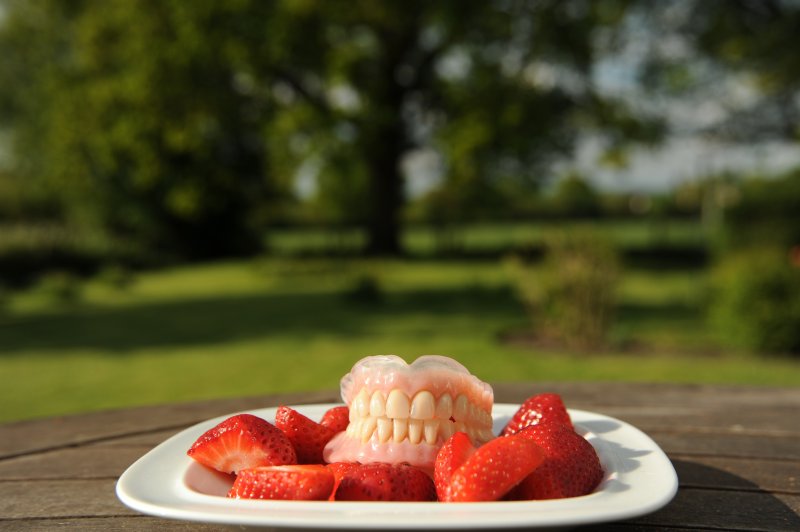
<point>268,325</point>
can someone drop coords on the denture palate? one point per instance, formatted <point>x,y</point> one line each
<point>403,412</point>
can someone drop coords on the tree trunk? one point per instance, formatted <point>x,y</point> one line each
<point>386,190</point>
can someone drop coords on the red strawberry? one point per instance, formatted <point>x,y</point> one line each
<point>542,408</point>
<point>455,451</point>
<point>386,482</point>
<point>339,470</point>
<point>494,469</point>
<point>307,436</point>
<point>240,442</point>
<point>288,482</point>
<point>336,418</point>
<point>571,467</point>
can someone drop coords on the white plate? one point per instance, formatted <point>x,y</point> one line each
<point>639,479</point>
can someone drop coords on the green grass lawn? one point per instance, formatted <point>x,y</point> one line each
<point>275,325</point>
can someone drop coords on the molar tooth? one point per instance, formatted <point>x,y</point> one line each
<point>459,426</point>
<point>486,435</point>
<point>460,408</point>
<point>354,429</point>
<point>444,407</point>
<point>431,430</point>
<point>415,430</point>
<point>361,404</point>
<point>352,412</point>
<point>384,429</point>
<point>423,405</point>
<point>377,405</point>
<point>399,429</point>
<point>397,405</point>
<point>367,428</point>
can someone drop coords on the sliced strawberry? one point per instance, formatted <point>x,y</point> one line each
<point>494,469</point>
<point>240,442</point>
<point>542,408</point>
<point>288,482</point>
<point>339,470</point>
<point>307,436</point>
<point>455,451</point>
<point>385,482</point>
<point>571,467</point>
<point>336,418</point>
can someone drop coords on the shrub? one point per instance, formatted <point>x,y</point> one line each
<point>572,297</point>
<point>756,301</point>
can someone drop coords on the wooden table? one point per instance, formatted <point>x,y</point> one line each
<point>736,451</point>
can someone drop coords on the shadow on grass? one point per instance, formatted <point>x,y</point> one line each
<point>228,319</point>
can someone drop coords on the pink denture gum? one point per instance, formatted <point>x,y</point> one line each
<point>403,412</point>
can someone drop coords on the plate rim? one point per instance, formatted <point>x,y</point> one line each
<point>173,499</point>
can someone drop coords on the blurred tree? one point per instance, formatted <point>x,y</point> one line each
<point>141,118</point>
<point>496,88</point>
<point>173,122</point>
<point>739,54</point>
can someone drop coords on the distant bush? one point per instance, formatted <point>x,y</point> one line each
<point>756,301</point>
<point>366,289</point>
<point>60,287</point>
<point>572,297</point>
<point>767,212</point>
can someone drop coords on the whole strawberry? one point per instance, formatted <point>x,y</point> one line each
<point>289,482</point>
<point>339,470</point>
<point>571,467</point>
<point>385,482</point>
<point>307,436</point>
<point>336,418</point>
<point>492,470</point>
<point>542,408</point>
<point>240,442</point>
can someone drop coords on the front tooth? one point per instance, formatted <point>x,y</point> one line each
<point>423,405</point>
<point>486,435</point>
<point>367,428</point>
<point>399,429</point>
<point>352,412</point>
<point>446,429</point>
<point>431,430</point>
<point>444,407</point>
<point>459,426</point>
<point>354,429</point>
<point>362,403</point>
<point>415,430</point>
<point>384,429</point>
<point>397,405</point>
<point>460,408</point>
<point>377,404</point>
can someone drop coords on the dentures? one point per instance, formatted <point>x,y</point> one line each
<point>404,413</point>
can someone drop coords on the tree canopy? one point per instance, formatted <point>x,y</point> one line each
<point>185,126</point>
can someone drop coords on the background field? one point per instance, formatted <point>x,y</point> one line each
<point>281,323</point>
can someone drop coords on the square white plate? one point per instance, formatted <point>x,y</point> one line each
<point>639,479</point>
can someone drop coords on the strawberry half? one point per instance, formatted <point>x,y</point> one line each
<point>571,467</point>
<point>240,442</point>
<point>336,418</point>
<point>288,482</point>
<point>494,469</point>
<point>542,408</point>
<point>385,482</point>
<point>307,436</point>
<point>452,455</point>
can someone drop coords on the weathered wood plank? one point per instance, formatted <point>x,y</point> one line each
<point>110,524</point>
<point>741,446</point>
<point>71,463</point>
<point>36,435</point>
<point>738,474</point>
<point>60,498</point>
<point>729,510</point>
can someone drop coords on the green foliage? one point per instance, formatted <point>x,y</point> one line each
<point>767,213</point>
<point>572,299</point>
<point>60,287</point>
<point>756,300</point>
<point>574,197</point>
